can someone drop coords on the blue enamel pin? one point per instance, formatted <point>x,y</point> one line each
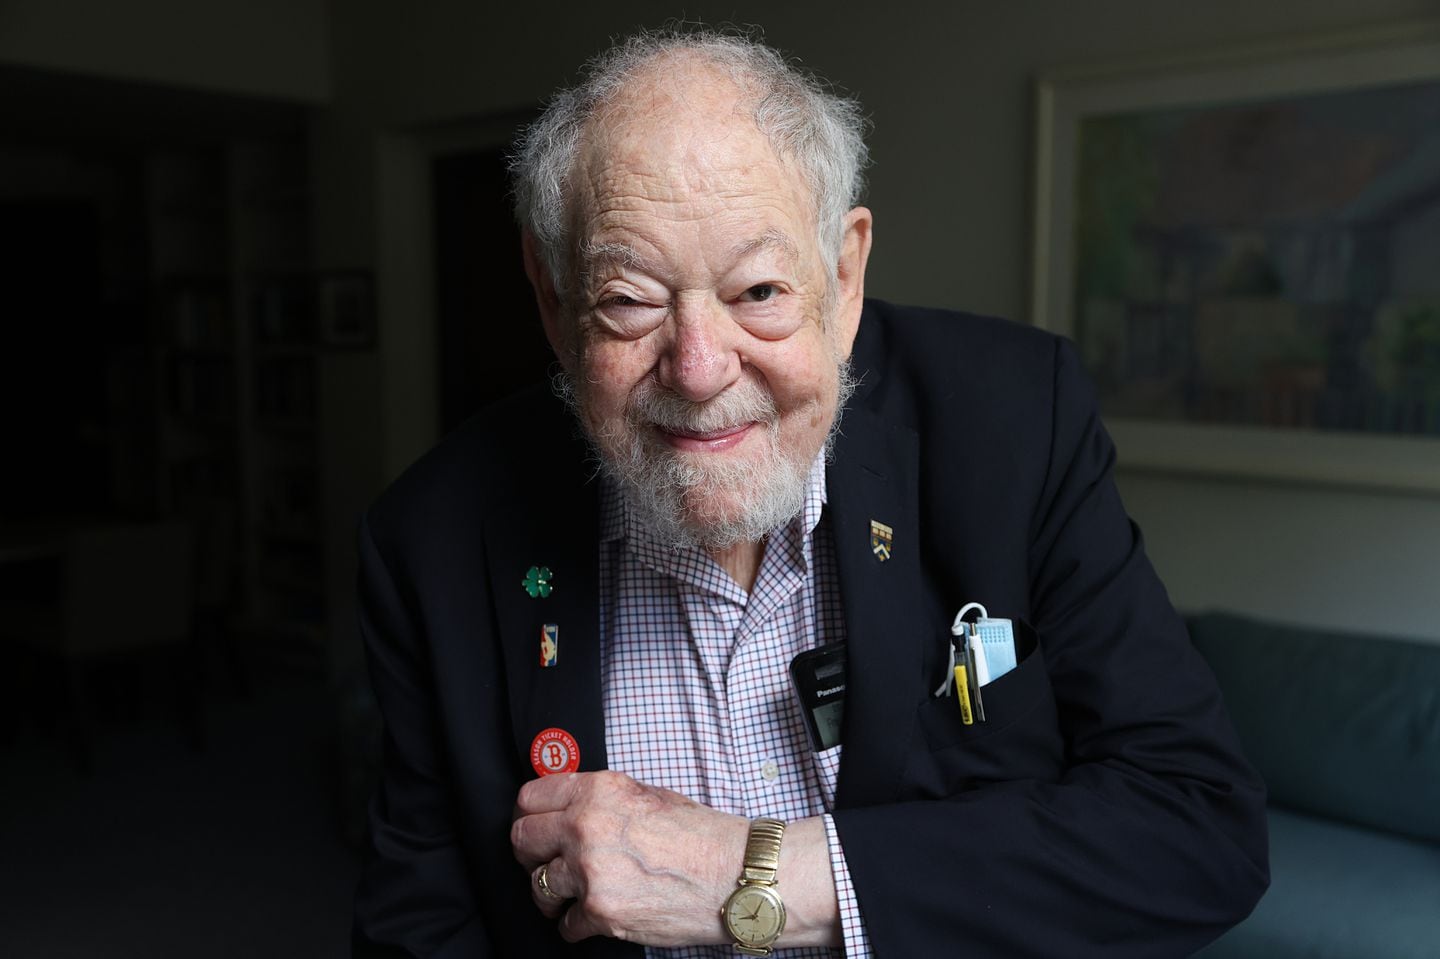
<point>549,644</point>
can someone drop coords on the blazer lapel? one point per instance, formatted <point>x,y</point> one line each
<point>554,526</point>
<point>874,478</point>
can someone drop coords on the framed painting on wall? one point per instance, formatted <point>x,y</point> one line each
<point>1245,247</point>
<point>347,310</point>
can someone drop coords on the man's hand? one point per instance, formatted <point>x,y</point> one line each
<point>647,865</point>
<point>640,863</point>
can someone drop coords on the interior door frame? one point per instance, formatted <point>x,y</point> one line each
<point>406,315</point>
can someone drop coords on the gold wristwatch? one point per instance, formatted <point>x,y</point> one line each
<point>754,914</point>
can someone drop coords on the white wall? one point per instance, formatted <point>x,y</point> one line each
<point>949,89</point>
<point>273,48</point>
<point>1340,559</point>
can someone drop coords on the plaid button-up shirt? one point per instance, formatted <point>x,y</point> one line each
<point>697,693</point>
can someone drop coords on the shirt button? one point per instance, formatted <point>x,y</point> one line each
<point>770,770</point>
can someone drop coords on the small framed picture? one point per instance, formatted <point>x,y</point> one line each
<point>347,310</point>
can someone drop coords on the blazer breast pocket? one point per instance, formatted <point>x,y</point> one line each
<point>1019,739</point>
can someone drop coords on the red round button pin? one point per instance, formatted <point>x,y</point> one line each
<point>554,751</point>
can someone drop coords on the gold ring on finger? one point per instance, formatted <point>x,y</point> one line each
<point>542,880</point>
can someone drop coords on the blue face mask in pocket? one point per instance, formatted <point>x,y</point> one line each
<point>997,638</point>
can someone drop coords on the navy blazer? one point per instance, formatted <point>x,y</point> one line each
<point>1104,809</point>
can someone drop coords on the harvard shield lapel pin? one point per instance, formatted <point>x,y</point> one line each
<point>880,537</point>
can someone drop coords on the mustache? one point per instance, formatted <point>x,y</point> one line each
<point>745,402</point>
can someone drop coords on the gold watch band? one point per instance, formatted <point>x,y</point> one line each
<point>762,852</point>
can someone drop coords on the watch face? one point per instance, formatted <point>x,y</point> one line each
<point>754,915</point>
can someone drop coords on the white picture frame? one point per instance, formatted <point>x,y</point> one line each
<point>1381,57</point>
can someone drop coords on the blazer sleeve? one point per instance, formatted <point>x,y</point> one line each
<point>415,896</point>
<point>1148,839</point>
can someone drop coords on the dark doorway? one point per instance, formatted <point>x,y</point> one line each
<point>490,339</point>
<point>53,363</point>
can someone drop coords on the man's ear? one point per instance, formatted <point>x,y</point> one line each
<point>850,277</point>
<point>547,300</point>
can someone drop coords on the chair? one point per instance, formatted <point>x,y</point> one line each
<point>212,522</point>
<point>127,591</point>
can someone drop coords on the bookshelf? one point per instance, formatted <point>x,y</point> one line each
<point>194,336</point>
<point>240,366</point>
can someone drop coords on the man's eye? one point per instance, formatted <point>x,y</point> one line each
<point>628,317</point>
<point>760,292</point>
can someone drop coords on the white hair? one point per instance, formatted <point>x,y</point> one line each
<point>803,119</point>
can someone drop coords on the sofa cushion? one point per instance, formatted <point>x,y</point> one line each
<point>1340,892</point>
<point>1343,726</point>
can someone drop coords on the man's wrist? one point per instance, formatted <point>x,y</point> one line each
<point>808,885</point>
<point>723,865</point>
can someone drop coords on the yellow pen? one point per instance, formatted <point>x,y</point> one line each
<point>962,693</point>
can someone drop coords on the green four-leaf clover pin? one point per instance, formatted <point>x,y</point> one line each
<point>537,581</point>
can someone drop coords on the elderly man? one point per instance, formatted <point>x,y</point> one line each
<point>593,648</point>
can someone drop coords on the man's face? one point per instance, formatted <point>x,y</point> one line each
<point>706,369</point>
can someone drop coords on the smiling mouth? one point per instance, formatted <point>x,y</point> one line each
<point>706,440</point>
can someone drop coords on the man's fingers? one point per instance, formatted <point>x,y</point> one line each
<point>615,850</point>
<point>538,838</point>
<point>551,812</point>
<point>548,793</point>
<point>577,923</point>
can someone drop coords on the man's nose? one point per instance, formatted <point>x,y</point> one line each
<point>701,359</point>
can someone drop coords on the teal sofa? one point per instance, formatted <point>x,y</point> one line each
<point>1345,730</point>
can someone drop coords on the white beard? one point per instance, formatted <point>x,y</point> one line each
<point>665,489</point>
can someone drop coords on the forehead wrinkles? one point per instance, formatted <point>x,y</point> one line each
<point>733,209</point>
<point>679,164</point>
